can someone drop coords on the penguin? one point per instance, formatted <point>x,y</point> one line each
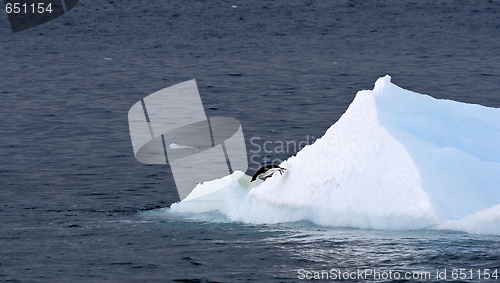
<point>267,171</point>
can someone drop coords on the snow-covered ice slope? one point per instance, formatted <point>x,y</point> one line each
<point>396,159</point>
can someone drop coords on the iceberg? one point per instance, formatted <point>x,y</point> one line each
<point>395,160</point>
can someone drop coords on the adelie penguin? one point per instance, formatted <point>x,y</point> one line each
<point>267,171</point>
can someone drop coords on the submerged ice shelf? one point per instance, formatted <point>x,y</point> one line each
<point>396,159</point>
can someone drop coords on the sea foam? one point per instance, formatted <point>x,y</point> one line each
<point>396,159</point>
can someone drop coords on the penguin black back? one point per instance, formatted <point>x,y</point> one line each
<point>267,171</point>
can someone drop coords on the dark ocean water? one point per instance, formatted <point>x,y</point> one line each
<point>74,201</point>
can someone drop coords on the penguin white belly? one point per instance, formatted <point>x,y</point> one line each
<point>268,172</point>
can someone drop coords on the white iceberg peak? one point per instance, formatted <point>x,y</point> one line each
<point>381,83</point>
